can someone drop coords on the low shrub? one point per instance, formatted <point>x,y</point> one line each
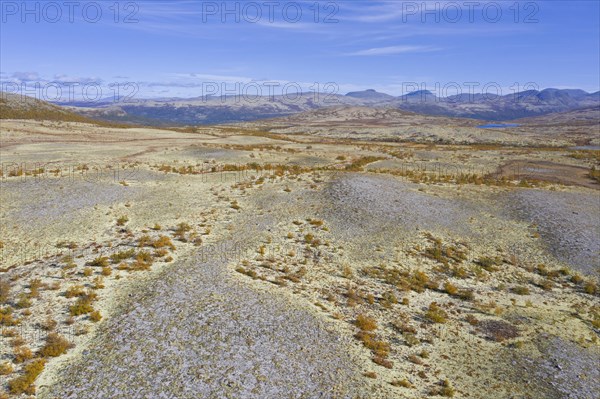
<point>74,291</point>
<point>436,314</point>
<point>22,354</point>
<point>24,383</point>
<point>590,288</point>
<point>370,374</point>
<point>100,261</point>
<point>450,288</point>
<point>122,220</point>
<point>521,290</point>
<point>404,383</point>
<point>163,241</point>
<point>23,302</point>
<point>181,229</point>
<point>488,263</point>
<point>55,346</point>
<point>365,323</point>
<point>383,362</point>
<point>95,316</point>
<point>81,307</point>
<point>121,256</point>
<point>6,368</point>
<point>4,291</point>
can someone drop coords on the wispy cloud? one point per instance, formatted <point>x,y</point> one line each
<point>377,51</point>
<point>26,76</point>
<point>289,25</point>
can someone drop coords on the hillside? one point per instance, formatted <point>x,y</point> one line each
<point>14,106</point>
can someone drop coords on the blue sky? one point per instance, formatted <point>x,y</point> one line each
<point>177,48</point>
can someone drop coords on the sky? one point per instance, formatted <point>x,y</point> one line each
<point>173,48</point>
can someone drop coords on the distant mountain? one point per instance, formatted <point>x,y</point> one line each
<point>420,96</point>
<point>213,110</point>
<point>579,117</point>
<point>15,106</point>
<point>493,107</point>
<point>216,110</point>
<point>370,94</point>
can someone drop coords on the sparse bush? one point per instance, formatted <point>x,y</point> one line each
<point>383,362</point>
<point>163,241</point>
<point>144,241</point>
<point>23,302</point>
<point>472,320</point>
<point>122,220</point>
<point>436,314</point>
<point>82,306</point>
<point>547,285</point>
<point>160,253</point>
<point>444,389</point>
<point>411,339</point>
<point>24,383</point>
<point>576,279</point>
<point>55,346</point>
<point>6,368</point>
<point>49,324</point>
<point>101,261</point>
<point>450,288</point>
<point>6,317</point>
<point>34,288</point>
<point>365,323</point>
<point>4,291</point>
<point>415,359</point>
<point>466,295</point>
<point>22,354</point>
<point>98,283</point>
<point>521,290</point>
<point>121,256</point>
<point>106,271</point>
<point>74,291</point>
<point>379,348</point>
<point>590,288</point>
<point>17,341</point>
<point>181,229</point>
<point>488,263</point>
<point>88,271</point>
<point>347,272</point>
<point>389,299</point>
<point>404,383</point>
<point>95,316</point>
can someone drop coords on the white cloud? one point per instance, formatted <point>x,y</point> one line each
<point>376,51</point>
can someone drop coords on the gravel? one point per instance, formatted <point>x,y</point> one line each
<point>567,221</point>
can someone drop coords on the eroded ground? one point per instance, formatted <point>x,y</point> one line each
<point>221,262</point>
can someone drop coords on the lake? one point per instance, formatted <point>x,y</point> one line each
<point>498,125</point>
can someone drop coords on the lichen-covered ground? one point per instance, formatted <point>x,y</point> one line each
<point>230,263</point>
